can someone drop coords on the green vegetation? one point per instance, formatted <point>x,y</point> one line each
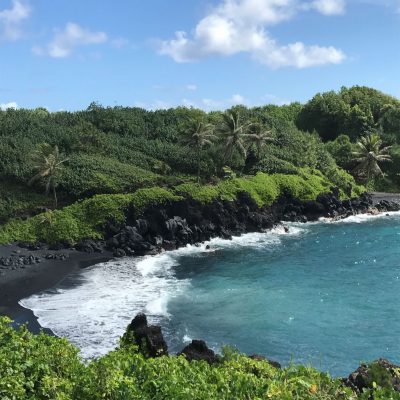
<point>46,367</point>
<point>87,175</point>
<point>199,136</point>
<point>115,152</point>
<point>48,164</point>
<point>259,138</point>
<point>104,164</point>
<point>87,218</point>
<point>369,155</point>
<point>16,200</point>
<point>342,118</point>
<point>234,134</point>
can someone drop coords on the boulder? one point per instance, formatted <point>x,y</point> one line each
<point>313,208</point>
<point>382,372</point>
<point>245,199</point>
<point>385,205</point>
<point>130,241</point>
<point>149,338</point>
<point>178,228</point>
<point>198,351</point>
<point>142,226</point>
<point>89,246</point>
<point>119,253</point>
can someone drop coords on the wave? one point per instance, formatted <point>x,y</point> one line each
<point>360,218</point>
<point>94,306</point>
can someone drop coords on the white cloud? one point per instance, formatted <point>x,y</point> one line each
<point>11,19</point>
<point>239,26</point>
<point>6,106</point>
<point>66,40</point>
<point>237,99</point>
<point>329,7</point>
<point>191,87</point>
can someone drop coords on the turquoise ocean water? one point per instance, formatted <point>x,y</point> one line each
<point>325,294</point>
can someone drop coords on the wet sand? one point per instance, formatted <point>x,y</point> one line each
<point>17,283</point>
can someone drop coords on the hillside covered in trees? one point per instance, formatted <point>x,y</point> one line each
<point>102,150</point>
<point>69,176</point>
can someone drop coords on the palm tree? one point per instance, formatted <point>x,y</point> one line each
<point>48,164</point>
<point>369,155</point>
<point>201,134</point>
<point>260,137</point>
<point>234,134</point>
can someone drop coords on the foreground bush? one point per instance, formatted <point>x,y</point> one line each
<point>46,367</point>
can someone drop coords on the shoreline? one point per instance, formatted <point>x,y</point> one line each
<point>17,283</point>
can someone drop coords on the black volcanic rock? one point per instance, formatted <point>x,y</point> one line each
<point>385,205</point>
<point>90,246</point>
<point>382,372</point>
<point>188,221</point>
<point>149,338</point>
<point>198,351</point>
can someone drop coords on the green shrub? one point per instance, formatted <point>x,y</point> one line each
<point>87,218</point>
<point>143,198</point>
<point>81,220</point>
<point>88,174</point>
<point>36,366</point>
<point>202,193</point>
<point>39,367</point>
<point>305,186</point>
<point>263,188</point>
<point>273,165</point>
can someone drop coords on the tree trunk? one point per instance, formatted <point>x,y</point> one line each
<point>198,165</point>
<point>55,195</point>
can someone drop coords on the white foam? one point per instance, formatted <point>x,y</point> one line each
<point>259,239</point>
<point>94,313</point>
<point>360,218</point>
<point>187,339</point>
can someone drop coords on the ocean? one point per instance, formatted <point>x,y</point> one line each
<point>326,294</point>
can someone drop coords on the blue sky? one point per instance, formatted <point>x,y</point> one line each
<point>64,54</point>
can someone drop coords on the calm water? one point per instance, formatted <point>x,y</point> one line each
<point>326,294</point>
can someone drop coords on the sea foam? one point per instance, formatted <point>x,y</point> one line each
<point>93,307</point>
<point>360,218</point>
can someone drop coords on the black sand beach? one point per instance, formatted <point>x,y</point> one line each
<point>17,283</point>
<point>379,196</point>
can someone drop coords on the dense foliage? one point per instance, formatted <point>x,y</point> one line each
<point>117,161</point>
<point>112,150</point>
<point>45,367</point>
<point>341,118</point>
<point>118,150</point>
<point>87,218</point>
